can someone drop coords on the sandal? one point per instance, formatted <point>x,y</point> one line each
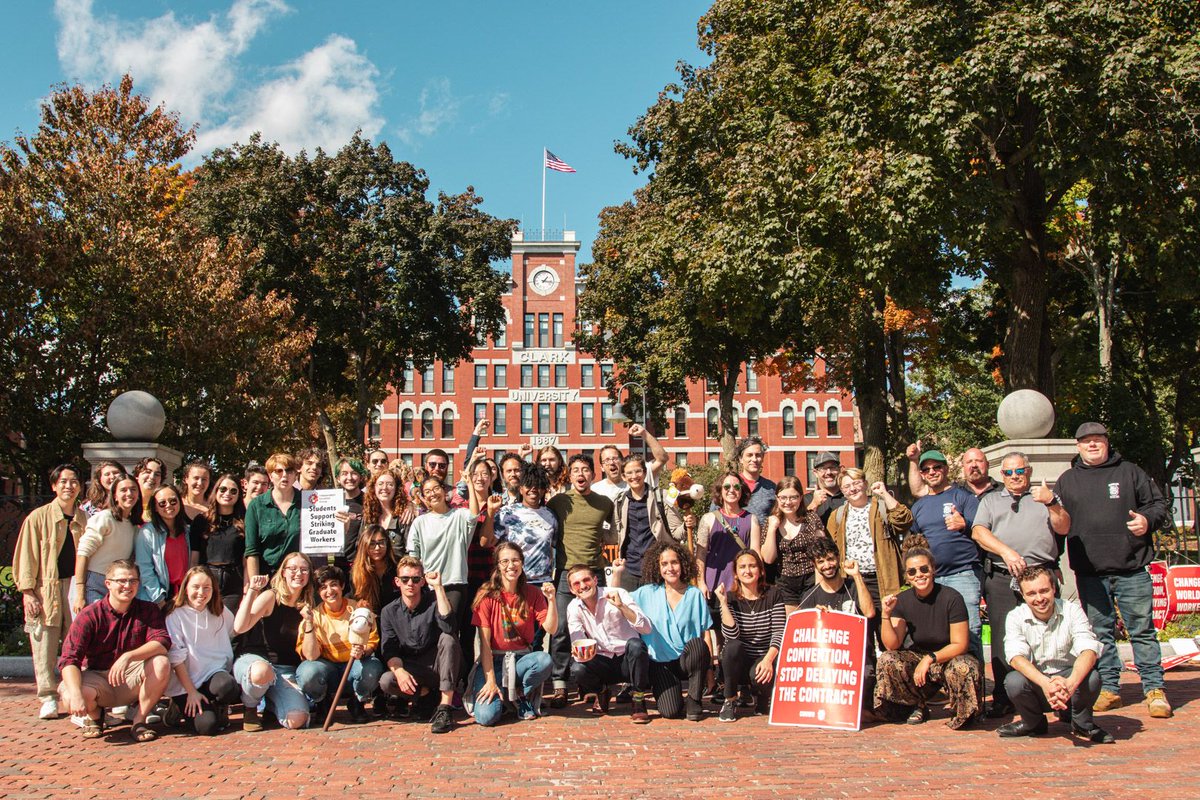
<point>919,715</point>
<point>93,728</point>
<point>141,732</point>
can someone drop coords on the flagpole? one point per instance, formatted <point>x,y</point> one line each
<point>543,232</point>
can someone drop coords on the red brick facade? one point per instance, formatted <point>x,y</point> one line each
<point>535,387</point>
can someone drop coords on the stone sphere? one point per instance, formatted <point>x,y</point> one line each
<point>1025,414</point>
<point>136,416</point>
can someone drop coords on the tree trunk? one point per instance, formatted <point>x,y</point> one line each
<point>1027,347</point>
<point>1105,292</point>
<point>726,389</point>
<point>869,375</point>
<point>330,434</point>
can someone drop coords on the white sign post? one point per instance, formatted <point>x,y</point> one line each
<point>320,532</point>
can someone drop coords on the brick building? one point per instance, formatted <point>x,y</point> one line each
<point>535,387</point>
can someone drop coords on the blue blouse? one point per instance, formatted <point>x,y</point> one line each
<point>671,629</point>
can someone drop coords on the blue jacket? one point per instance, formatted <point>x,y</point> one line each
<point>149,550</point>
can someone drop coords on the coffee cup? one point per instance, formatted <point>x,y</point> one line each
<point>583,649</point>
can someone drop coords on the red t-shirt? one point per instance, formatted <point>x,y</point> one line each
<point>178,557</point>
<point>509,632</point>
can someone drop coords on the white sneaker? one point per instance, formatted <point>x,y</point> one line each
<point>49,709</point>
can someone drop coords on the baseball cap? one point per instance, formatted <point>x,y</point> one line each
<point>825,457</point>
<point>932,455</point>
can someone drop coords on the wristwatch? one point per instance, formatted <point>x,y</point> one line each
<point>1055,500</point>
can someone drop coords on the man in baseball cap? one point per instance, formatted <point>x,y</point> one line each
<point>826,494</point>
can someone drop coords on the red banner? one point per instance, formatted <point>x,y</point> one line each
<point>1158,602</point>
<point>1176,591</point>
<point>819,672</point>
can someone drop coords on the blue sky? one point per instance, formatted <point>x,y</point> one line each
<point>468,91</point>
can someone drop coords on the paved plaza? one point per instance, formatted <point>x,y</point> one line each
<point>571,755</point>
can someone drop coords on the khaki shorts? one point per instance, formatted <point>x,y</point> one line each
<point>108,695</point>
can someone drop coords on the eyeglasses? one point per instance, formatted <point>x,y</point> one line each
<point>378,460</point>
<point>296,570</point>
<point>168,503</point>
<point>377,544</point>
<point>505,562</point>
<point>1008,473</point>
<point>411,578</point>
<point>924,569</point>
<point>123,581</point>
<point>933,468</point>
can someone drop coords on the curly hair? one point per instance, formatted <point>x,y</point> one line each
<point>687,564</point>
<point>372,508</point>
<point>917,546</point>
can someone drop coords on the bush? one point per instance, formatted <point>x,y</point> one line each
<point>1184,627</point>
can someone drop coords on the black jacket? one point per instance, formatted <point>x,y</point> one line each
<point>1099,500</point>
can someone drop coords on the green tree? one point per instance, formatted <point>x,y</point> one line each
<point>385,277</point>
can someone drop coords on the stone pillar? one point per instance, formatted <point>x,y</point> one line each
<point>135,419</point>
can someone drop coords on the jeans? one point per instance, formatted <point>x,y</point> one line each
<point>533,669</point>
<point>95,588</point>
<point>1133,592</point>
<point>316,678</point>
<point>283,697</point>
<point>968,583</point>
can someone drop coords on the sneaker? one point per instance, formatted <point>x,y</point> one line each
<point>251,721</point>
<point>1156,701</point>
<point>443,722</point>
<point>1107,701</point>
<point>695,711</point>
<point>745,698</point>
<point>625,695</point>
<point>728,711</point>
<point>525,709</point>
<point>639,716</point>
<point>49,709</point>
<point>172,716</point>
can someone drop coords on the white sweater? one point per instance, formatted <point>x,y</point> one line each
<point>202,642</point>
<point>106,540</point>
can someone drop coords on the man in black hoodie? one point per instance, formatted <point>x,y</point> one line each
<point>1115,509</point>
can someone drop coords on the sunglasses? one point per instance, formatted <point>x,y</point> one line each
<point>227,490</point>
<point>732,487</point>
<point>933,468</point>
<point>378,460</point>
<point>168,503</point>
<point>377,544</point>
<point>1008,473</point>
<point>410,578</point>
<point>437,465</point>
<point>921,570</point>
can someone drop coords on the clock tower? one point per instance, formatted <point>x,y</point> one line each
<point>544,288</point>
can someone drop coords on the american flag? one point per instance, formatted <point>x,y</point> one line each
<point>557,164</point>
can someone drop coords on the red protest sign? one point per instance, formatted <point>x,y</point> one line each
<point>819,672</point>
<point>1158,580</point>
<point>1183,590</point>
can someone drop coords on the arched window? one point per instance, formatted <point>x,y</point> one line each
<point>374,427</point>
<point>427,424</point>
<point>810,421</point>
<point>406,424</point>
<point>831,422</point>
<point>681,422</point>
<point>447,424</point>
<point>752,422</point>
<point>789,421</point>
<point>714,427</point>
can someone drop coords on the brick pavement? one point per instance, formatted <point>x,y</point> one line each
<point>570,754</point>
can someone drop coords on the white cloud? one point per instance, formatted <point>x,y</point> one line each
<point>318,99</point>
<point>438,107</point>
<point>498,103</point>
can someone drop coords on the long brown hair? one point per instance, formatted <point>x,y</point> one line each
<point>372,508</point>
<point>495,583</point>
<point>762,572</point>
<point>239,508</point>
<point>214,606</point>
<point>363,580</point>
<point>177,526</point>
<point>789,482</point>
<point>97,495</point>
<point>558,477</point>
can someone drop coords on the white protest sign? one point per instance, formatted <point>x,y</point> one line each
<point>320,532</point>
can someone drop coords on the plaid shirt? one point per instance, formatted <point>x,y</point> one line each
<point>99,635</point>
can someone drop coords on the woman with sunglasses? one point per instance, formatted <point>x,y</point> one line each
<point>791,530</point>
<point>273,518</point>
<point>507,612</point>
<point>724,533</point>
<point>219,539</point>
<point>935,617</point>
<point>266,664</point>
<point>161,548</point>
<point>108,537</point>
<point>373,571</point>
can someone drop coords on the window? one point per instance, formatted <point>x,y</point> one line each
<point>500,419</point>
<point>681,422</point>
<point>543,375</point>
<point>406,379</point>
<point>810,421</point>
<point>374,427</point>
<point>789,421</point>
<point>447,379</point>
<point>714,424</point>
<point>681,459</point>
<point>560,418</point>
<point>480,412</point>
<point>605,374</point>
<point>752,422</point>
<point>407,458</point>
<point>589,417</point>
<point>560,376</point>
<point>751,377</point>
<point>810,463</point>
<point>789,463</point>
<point>543,418</point>
<point>447,424</point>
<point>481,376</point>
<point>427,380</point>
<point>526,376</point>
<point>587,376</point>
<point>714,459</point>
<point>406,424</point>
<point>736,423</point>
<point>558,330</point>
<point>427,424</point>
<point>526,419</point>
<point>606,423</point>
<point>501,339</point>
<point>529,330</point>
<point>543,330</point>
<point>831,422</point>
<point>499,376</point>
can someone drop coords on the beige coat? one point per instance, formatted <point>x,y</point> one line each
<point>35,560</point>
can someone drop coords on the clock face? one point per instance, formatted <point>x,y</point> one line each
<point>544,281</point>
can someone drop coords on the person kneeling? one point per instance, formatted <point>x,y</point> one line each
<point>97,674</point>
<point>324,642</point>
<point>1052,651</point>
<point>419,645</point>
<point>606,642</point>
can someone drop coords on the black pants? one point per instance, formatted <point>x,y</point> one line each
<point>1031,703</point>
<point>220,690</point>
<point>229,584</point>
<point>633,668</point>
<point>560,643</point>
<point>737,666</point>
<point>437,668</point>
<point>461,597</point>
<point>1001,599</point>
<point>667,678</point>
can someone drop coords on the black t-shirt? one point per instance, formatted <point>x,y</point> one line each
<point>274,637</point>
<point>354,505</point>
<point>929,619</point>
<point>223,544</point>
<point>66,554</point>
<point>844,599</point>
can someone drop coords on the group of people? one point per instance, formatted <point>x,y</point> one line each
<point>178,602</point>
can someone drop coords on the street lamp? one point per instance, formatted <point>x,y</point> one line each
<point>619,417</point>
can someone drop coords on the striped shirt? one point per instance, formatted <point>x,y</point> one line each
<point>757,624</point>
